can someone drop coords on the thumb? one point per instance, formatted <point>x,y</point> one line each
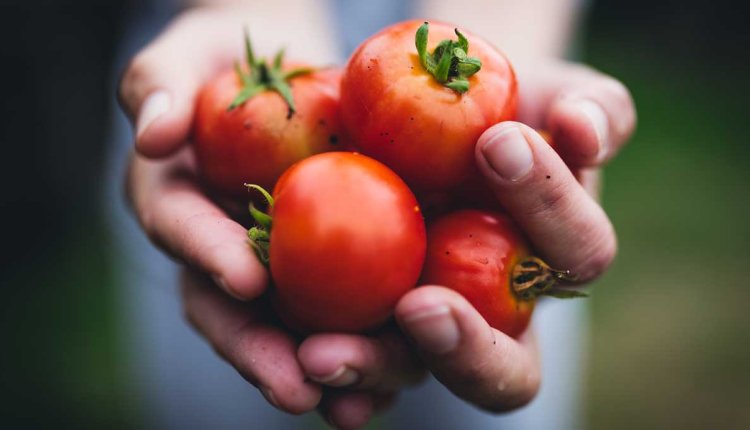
<point>159,86</point>
<point>564,223</point>
<point>476,362</point>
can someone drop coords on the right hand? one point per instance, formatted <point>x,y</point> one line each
<point>157,92</point>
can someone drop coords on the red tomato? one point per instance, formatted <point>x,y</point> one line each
<point>348,240</point>
<point>483,256</point>
<point>397,112</point>
<point>258,140</point>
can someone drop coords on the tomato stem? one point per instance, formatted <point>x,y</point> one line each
<point>449,63</point>
<point>259,236</point>
<point>260,76</point>
<point>532,277</point>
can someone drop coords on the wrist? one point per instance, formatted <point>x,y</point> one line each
<point>304,27</point>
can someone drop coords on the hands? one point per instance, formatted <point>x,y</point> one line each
<point>590,117</point>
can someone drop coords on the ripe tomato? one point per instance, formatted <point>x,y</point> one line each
<point>424,124</point>
<point>271,129</point>
<point>347,241</point>
<point>484,257</point>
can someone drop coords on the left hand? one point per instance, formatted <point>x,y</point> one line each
<point>590,116</point>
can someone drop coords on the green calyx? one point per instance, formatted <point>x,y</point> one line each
<point>260,76</point>
<point>449,63</point>
<point>259,236</point>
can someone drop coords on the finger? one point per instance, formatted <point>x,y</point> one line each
<point>590,179</point>
<point>473,360</point>
<point>590,115</point>
<point>159,86</point>
<point>383,363</point>
<point>564,223</point>
<point>262,353</point>
<point>178,217</point>
<point>348,409</point>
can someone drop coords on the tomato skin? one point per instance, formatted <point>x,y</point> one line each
<point>256,142</point>
<point>473,252</point>
<point>396,112</point>
<point>348,240</point>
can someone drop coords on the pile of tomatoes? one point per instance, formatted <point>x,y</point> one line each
<point>357,160</point>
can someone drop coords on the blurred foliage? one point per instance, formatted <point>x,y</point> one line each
<point>670,324</point>
<point>59,363</point>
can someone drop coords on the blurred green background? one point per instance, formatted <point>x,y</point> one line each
<point>670,326</point>
<point>670,320</point>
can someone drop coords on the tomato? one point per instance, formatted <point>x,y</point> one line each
<point>483,256</point>
<point>347,241</point>
<point>398,112</point>
<point>287,120</point>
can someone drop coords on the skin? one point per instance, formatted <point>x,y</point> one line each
<point>256,142</point>
<point>473,253</point>
<point>221,274</point>
<point>336,266</point>
<point>398,113</point>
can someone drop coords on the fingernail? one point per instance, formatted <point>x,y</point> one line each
<point>598,119</point>
<point>268,394</point>
<point>434,329</point>
<point>508,154</point>
<point>342,377</point>
<point>156,104</point>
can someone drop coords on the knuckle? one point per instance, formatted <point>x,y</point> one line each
<point>196,241</point>
<point>621,100</point>
<point>133,81</point>
<point>513,390</point>
<point>471,375</point>
<point>246,351</point>
<point>522,397</point>
<point>530,388</point>
<point>550,201</point>
<point>615,89</point>
<point>600,254</point>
